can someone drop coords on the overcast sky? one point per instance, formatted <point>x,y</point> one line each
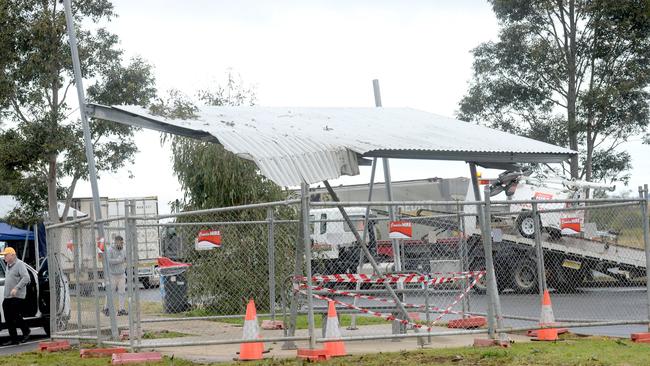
<point>307,53</point>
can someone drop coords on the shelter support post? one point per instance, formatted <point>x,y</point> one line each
<point>353,321</point>
<point>293,307</point>
<point>90,156</point>
<point>492,288</point>
<point>367,253</point>
<point>479,215</point>
<point>398,327</point>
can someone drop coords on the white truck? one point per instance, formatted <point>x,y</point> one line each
<point>147,240</point>
<point>571,252</point>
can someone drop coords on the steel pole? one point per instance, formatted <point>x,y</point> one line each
<point>493,290</point>
<point>306,241</point>
<point>271,260</point>
<point>130,265</point>
<point>77,270</point>
<point>50,237</point>
<point>364,247</point>
<point>293,307</point>
<point>479,215</point>
<point>135,255</point>
<point>90,156</point>
<point>397,255</point>
<point>397,250</point>
<point>643,193</point>
<point>353,321</point>
<point>93,247</point>
<point>539,250</point>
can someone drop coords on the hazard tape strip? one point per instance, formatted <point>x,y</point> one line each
<point>391,301</point>
<point>391,278</point>
<point>390,317</point>
<point>459,297</point>
<point>375,298</point>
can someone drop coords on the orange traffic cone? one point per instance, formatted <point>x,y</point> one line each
<point>253,350</point>
<point>332,330</point>
<point>547,319</point>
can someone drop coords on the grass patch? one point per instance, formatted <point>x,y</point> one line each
<point>571,351</point>
<point>151,308</point>
<point>163,334</point>
<point>301,321</point>
<point>71,358</point>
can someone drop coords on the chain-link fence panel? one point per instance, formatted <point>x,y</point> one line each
<point>421,271</point>
<point>422,255</point>
<point>588,254</point>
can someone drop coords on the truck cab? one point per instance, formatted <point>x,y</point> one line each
<point>334,247</point>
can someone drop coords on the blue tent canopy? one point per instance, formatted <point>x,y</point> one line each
<point>8,232</point>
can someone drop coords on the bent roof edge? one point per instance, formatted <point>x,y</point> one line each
<point>294,145</point>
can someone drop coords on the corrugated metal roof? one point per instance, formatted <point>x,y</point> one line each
<point>291,145</point>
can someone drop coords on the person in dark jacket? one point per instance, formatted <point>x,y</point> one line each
<point>15,291</point>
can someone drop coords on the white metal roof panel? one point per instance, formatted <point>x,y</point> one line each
<point>291,145</point>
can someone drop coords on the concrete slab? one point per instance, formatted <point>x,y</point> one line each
<point>202,330</point>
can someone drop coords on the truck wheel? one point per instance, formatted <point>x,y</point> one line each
<point>570,280</point>
<point>554,234</point>
<point>526,225</point>
<point>146,283</point>
<point>524,276</point>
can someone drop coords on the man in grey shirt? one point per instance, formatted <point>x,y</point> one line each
<point>117,270</point>
<point>16,281</point>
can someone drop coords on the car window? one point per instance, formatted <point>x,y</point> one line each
<point>2,268</point>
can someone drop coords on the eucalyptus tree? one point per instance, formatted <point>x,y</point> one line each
<point>43,158</point>
<point>569,72</point>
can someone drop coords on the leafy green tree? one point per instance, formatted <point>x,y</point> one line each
<point>220,280</point>
<point>45,146</point>
<point>570,72</point>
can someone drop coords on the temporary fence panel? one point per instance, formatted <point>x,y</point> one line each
<point>213,262</point>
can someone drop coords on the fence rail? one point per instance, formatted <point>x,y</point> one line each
<point>590,254</point>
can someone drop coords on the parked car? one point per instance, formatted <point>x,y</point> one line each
<point>37,308</point>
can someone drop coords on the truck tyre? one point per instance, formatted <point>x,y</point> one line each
<point>526,225</point>
<point>570,279</point>
<point>146,283</point>
<point>554,234</point>
<point>524,276</point>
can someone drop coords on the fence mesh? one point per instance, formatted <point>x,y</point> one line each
<point>195,282</point>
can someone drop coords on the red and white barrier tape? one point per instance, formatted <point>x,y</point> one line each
<point>390,278</point>
<point>390,317</point>
<point>375,298</point>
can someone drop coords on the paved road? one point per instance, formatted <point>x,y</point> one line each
<point>588,304</point>
<point>37,335</point>
<point>621,303</point>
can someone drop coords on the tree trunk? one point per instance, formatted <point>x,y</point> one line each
<point>572,93</point>
<point>53,210</point>
<point>589,158</point>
